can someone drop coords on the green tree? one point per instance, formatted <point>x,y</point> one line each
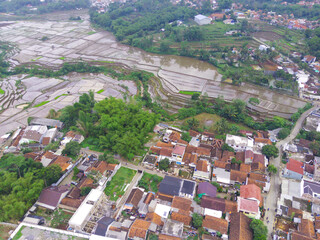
<point>85,191</point>
<point>164,46</point>
<point>315,147</point>
<point>222,126</point>
<point>51,174</point>
<point>272,169</point>
<point>283,133</point>
<point>109,158</point>
<point>226,147</point>
<point>193,123</point>
<point>196,220</point>
<point>164,164</point>
<point>72,149</point>
<point>52,146</point>
<point>195,96</point>
<point>186,136</point>
<point>270,151</point>
<point>260,231</point>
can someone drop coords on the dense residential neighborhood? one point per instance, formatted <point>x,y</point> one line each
<point>217,185</point>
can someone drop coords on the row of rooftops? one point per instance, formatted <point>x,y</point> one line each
<point>180,210</point>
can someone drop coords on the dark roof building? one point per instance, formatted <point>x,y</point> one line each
<point>50,197</point>
<point>207,189</point>
<point>171,186</point>
<point>102,226</point>
<point>215,203</point>
<point>188,188</point>
<point>46,122</point>
<point>134,198</point>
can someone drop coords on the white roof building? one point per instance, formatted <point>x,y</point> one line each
<point>302,78</point>
<point>202,20</point>
<point>162,210</point>
<point>221,175</point>
<point>33,133</point>
<point>239,143</point>
<point>81,216</point>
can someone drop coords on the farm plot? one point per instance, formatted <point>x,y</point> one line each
<point>116,187</point>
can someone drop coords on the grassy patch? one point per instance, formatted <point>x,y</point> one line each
<point>115,188</point>
<point>188,92</point>
<point>207,121</point>
<point>4,231</point>
<point>100,91</point>
<point>60,96</point>
<point>60,219</point>
<point>150,182</point>
<point>91,32</point>
<point>36,59</point>
<point>91,143</point>
<point>19,234</point>
<point>41,104</point>
<point>1,91</point>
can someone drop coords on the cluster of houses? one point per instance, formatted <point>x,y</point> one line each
<point>169,211</point>
<point>205,158</point>
<point>298,205</point>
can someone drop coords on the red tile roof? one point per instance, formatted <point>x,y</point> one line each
<point>62,162</point>
<point>179,150</point>
<point>202,165</point>
<point>193,133</point>
<point>181,217</point>
<point>258,158</point>
<point>181,203</point>
<point>263,140</point>
<point>238,176</point>
<point>217,224</point>
<point>250,191</point>
<point>248,205</point>
<point>167,152</point>
<point>139,229</point>
<point>240,227</point>
<point>295,166</point>
<point>245,167</point>
<point>166,145</point>
<point>155,218</point>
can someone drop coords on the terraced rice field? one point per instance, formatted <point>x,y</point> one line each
<point>69,41</point>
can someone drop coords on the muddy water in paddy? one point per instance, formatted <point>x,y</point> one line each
<point>72,41</point>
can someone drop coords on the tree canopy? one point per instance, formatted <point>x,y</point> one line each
<point>72,149</point>
<point>112,124</point>
<point>270,151</point>
<point>197,220</point>
<point>130,20</point>
<point>260,231</point>
<point>21,182</point>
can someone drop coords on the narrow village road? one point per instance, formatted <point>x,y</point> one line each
<point>126,195</point>
<point>125,163</point>
<point>274,192</point>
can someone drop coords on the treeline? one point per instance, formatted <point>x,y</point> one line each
<point>313,136</point>
<point>4,48</point>
<point>133,19</point>
<point>313,41</point>
<point>21,7</point>
<point>111,124</point>
<point>237,112</point>
<point>21,182</point>
<point>271,5</point>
